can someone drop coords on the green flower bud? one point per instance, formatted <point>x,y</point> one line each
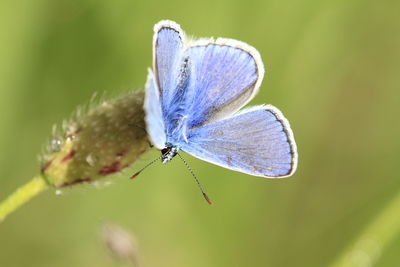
<point>104,140</point>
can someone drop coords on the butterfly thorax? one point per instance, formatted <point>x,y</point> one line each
<point>168,152</point>
<point>175,112</point>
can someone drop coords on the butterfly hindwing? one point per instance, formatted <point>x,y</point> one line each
<point>256,141</point>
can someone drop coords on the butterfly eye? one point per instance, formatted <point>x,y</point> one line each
<point>165,151</point>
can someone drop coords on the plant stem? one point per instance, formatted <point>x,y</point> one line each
<point>378,235</point>
<point>22,195</point>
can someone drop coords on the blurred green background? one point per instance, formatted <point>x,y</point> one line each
<point>333,70</point>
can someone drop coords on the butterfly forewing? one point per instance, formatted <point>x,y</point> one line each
<point>225,74</point>
<point>167,48</point>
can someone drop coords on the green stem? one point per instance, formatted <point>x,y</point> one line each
<point>22,195</point>
<point>378,235</point>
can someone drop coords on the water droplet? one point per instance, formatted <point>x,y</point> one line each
<point>101,184</point>
<point>70,137</point>
<point>91,159</point>
<point>56,143</point>
<point>58,192</point>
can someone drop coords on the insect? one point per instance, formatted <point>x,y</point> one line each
<point>193,100</point>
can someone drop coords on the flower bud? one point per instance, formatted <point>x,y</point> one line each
<point>120,243</point>
<point>93,144</point>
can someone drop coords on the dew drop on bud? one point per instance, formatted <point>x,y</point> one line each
<point>55,144</point>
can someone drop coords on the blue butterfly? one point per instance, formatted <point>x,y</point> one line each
<point>193,101</point>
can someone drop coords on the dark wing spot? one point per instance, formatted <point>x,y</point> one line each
<point>256,169</point>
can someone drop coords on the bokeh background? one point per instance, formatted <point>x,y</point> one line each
<point>332,68</point>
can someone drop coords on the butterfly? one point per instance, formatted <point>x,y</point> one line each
<point>193,102</point>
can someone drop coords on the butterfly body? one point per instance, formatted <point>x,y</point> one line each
<point>194,99</point>
<point>168,152</point>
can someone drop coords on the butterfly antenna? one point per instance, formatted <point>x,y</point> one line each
<point>142,169</point>
<point>197,180</point>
